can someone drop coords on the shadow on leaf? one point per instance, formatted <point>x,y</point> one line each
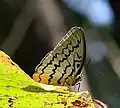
<point>31,88</point>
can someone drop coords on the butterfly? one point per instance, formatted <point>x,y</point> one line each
<point>63,65</point>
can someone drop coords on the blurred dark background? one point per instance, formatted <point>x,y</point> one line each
<point>29,29</point>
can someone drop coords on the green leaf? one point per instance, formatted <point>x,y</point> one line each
<point>18,90</point>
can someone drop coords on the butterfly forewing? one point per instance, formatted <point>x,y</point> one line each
<point>62,65</point>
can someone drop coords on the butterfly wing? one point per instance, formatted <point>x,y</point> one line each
<point>62,65</point>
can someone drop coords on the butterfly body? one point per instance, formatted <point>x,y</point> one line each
<point>63,65</point>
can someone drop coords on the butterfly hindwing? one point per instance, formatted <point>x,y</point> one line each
<point>64,63</point>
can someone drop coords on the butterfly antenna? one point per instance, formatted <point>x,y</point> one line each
<point>86,66</point>
<point>88,62</point>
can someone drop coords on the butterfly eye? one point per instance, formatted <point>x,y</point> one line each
<point>63,65</point>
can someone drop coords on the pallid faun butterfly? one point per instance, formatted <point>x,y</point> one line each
<point>63,65</point>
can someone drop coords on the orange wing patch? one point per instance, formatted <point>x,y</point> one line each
<point>41,78</point>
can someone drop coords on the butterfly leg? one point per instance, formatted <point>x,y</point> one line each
<point>77,86</point>
<point>78,83</point>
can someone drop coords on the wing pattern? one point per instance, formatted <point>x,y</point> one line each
<point>64,63</point>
